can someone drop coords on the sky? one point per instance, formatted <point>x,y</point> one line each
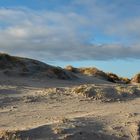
<point>96,33</point>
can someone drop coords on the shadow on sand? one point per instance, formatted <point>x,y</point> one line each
<point>85,129</point>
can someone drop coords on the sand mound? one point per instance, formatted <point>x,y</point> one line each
<point>107,93</point>
<point>100,92</point>
<point>17,66</point>
<point>92,71</point>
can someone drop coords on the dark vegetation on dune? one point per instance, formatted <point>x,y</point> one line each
<point>92,71</point>
<point>17,66</point>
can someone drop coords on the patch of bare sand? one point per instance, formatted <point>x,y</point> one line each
<point>29,110</point>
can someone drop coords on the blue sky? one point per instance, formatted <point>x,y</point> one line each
<point>100,33</point>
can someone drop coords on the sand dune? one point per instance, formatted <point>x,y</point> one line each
<point>17,66</point>
<point>81,107</point>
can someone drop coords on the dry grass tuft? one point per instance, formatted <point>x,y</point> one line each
<point>136,78</point>
<point>9,135</point>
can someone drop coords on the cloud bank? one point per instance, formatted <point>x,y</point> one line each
<point>68,34</point>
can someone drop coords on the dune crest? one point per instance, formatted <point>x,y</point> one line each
<point>17,66</point>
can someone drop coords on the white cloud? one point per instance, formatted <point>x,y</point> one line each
<point>64,35</point>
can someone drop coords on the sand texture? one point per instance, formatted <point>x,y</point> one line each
<point>43,102</point>
<point>34,109</point>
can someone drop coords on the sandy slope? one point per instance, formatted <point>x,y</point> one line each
<point>29,110</point>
